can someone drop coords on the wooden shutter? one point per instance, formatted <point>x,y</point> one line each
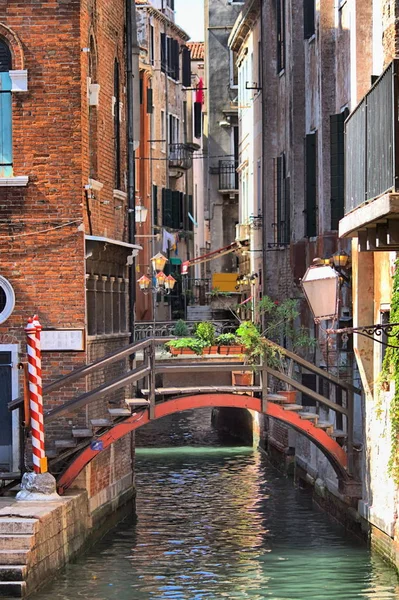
<point>149,101</point>
<point>163,52</point>
<point>311,189</point>
<point>167,208</point>
<point>197,119</point>
<point>287,211</point>
<point>186,66</point>
<point>155,204</point>
<point>176,211</point>
<point>308,18</point>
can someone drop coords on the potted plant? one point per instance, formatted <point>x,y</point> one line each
<point>280,326</point>
<point>228,343</point>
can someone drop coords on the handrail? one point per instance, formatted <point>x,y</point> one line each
<point>99,392</point>
<point>313,369</point>
<point>86,370</point>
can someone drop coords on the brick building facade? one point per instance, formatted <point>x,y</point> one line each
<point>64,237</point>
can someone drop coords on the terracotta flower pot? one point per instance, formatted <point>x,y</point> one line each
<point>242,377</point>
<point>289,396</point>
<point>226,350</point>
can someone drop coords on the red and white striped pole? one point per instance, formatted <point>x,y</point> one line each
<point>33,330</point>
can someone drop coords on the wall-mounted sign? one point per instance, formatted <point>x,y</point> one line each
<point>97,446</point>
<point>63,340</point>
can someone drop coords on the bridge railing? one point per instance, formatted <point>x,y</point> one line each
<point>150,366</point>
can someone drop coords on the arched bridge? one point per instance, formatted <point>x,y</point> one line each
<point>158,402</point>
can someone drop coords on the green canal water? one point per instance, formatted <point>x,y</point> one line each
<point>218,521</point>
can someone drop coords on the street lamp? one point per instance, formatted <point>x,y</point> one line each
<point>158,262</point>
<point>321,288</point>
<point>141,213</point>
<point>163,284</point>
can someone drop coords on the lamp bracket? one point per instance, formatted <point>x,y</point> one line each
<point>370,331</point>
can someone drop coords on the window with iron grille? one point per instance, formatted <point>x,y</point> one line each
<point>6,159</point>
<point>311,185</point>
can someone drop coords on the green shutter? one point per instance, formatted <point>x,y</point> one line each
<point>5,126</point>
<point>337,166</point>
<point>167,208</point>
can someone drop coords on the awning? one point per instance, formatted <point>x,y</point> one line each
<point>175,261</point>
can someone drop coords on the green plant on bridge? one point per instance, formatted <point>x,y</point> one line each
<point>192,343</point>
<point>205,331</point>
<point>390,372</point>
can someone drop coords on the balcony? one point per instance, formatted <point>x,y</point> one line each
<point>372,167</point>
<point>228,176</point>
<point>181,158</point>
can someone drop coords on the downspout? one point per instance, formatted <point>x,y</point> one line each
<point>131,49</point>
<point>263,187</point>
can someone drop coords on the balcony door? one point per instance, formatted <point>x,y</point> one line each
<point>8,391</point>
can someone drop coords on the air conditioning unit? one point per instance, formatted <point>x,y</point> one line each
<point>242,233</point>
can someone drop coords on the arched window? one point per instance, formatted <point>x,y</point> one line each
<point>5,111</point>
<point>117,127</point>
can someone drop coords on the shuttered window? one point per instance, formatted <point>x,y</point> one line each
<point>155,204</point>
<point>186,67</point>
<point>149,101</point>
<point>197,119</point>
<point>5,112</point>
<point>311,187</point>
<point>163,52</point>
<point>117,127</point>
<point>167,208</point>
<point>337,167</point>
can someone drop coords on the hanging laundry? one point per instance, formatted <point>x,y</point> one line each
<point>168,238</point>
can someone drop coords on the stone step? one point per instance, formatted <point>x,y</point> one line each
<point>16,542</point>
<point>338,433</point>
<point>13,573</point>
<point>65,443</point>
<point>82,433</point>
<point>277,398</point>
<point>101,423</point>
<point>13,557</point>
<point>292,407</point>
<point>137,402</point>
<point>12,589</point>
<point>15,525</point>
<point>10,476</point>
<point>309,417</point>
<point>328,427</point>
<point>120,412</point>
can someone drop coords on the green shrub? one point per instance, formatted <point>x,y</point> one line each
<point>191,343</point>
<point>226,339</point>
<point>206,332</point>
<point>180,329</point>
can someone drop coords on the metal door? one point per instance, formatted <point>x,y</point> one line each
<point>5,415</point>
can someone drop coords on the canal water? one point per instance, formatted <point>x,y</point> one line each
<point>217,521</point>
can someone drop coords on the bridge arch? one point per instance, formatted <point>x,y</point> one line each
<point>330,448</point>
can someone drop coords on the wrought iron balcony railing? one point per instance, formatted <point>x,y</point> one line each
<point>228,176</point>
<point>180,156</point>
<point>372,142</point>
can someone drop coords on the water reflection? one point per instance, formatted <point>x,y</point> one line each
<point>221,523</point>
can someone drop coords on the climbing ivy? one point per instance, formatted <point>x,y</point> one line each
<point>390,372</point>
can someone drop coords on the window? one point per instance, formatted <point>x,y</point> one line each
<point>107,302</point>
<point>308,18</point>
<point>117,127</point>
<point>311,185</point>
<point>280,10</point>
<point>155,204</point>
<point>282,224</point>
<point>5,111</point>
<point>170,57</point>
<point>7,299</point>
<point>163,131</point>
<point>233,69</point>
<point>174,130</point>
<point>337,146</point>
<point>152,45</point>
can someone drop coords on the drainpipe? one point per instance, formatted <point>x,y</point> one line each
<point>132,124</point>
<point>264,203</point>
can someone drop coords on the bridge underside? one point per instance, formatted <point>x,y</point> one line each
<point>332,450</point>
